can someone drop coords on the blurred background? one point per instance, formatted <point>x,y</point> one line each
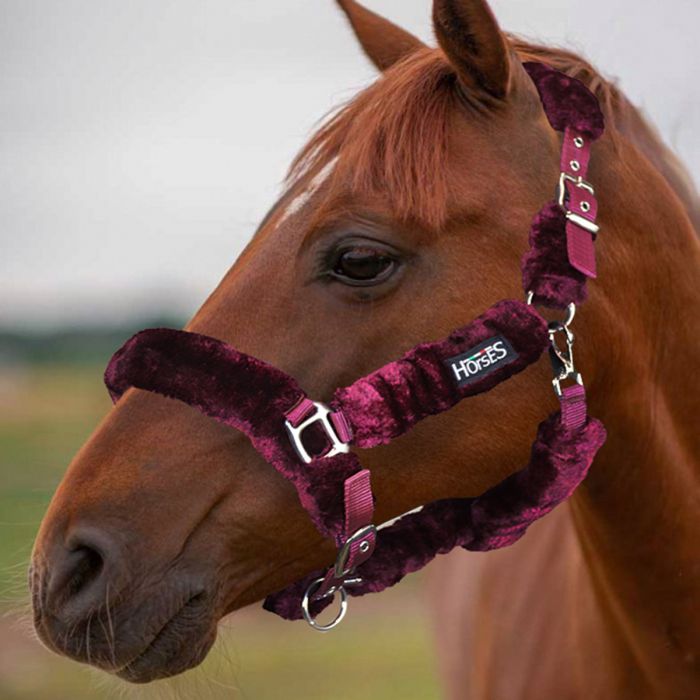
<point>142,141</point>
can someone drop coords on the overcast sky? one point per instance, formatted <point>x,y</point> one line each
<point>142,140</point>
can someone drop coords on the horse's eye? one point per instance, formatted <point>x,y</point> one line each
<point>363,266</point>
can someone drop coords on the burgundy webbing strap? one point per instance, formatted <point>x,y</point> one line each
<point>581,204</point>
<point>359,504</point>
<point>573,406</point>
<point>359,536</point>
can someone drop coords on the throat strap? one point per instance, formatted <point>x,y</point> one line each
<point>560,458</point>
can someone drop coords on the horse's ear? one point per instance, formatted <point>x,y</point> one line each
<point>478,50</point>
<point>382,40</point>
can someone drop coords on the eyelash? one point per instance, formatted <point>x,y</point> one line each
<point>329,255</point>
<point>331,260</point>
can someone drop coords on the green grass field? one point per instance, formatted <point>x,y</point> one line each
<point>383,650</point>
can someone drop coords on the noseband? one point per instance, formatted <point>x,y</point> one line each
<point>308,442</point>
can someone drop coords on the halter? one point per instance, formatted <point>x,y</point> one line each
<point>309,442</point>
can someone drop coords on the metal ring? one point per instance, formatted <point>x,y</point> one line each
<point>557,326</point>
<point>570,309</point>
<point>570,313</point>
<point>313,587</point>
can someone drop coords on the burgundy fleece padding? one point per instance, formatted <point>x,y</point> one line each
<point>239,391</point>
<point>252,396</point>
<point>559,461</point>
<point>391,400</point>
<point>545,266</point>
<point>566,101</point>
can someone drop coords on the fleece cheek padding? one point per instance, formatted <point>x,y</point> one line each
<point>391,400</point>
<point>546,270</point>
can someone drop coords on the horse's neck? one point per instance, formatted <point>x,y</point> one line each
<point>638,513</point>
<point>645,137</point>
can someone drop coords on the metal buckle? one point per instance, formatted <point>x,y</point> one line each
<point>582,222</point>
<point>313,587</point>
<point>320,415</point>
<point>578,181</point>
<point>341,560</point>
<point>572,216</point>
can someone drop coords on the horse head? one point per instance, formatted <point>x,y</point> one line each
<point>405,216</point>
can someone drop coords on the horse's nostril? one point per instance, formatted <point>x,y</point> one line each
<point>88,565</point>
<point>74,575</point>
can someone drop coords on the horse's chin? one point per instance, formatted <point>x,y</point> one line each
<point>182,643</point>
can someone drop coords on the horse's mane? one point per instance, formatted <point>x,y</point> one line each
<point>392,138</point>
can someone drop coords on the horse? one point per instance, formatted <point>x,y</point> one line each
<point>404,215</point>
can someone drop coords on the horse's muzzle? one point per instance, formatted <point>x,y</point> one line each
<point>89,606</point>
